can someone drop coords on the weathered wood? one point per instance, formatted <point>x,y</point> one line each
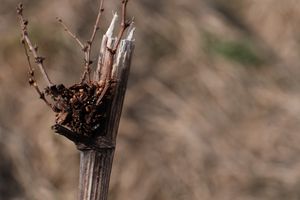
<point>96,164</point>
<point>88,113</point>
<point>95,169</point>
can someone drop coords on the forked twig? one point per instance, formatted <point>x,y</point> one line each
<point>38,59</point>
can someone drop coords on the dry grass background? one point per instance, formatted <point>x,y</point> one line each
<point>212,110</point>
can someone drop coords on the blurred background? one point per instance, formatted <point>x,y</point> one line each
<point>211,112</point>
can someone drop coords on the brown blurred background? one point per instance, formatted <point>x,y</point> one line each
<point>211,112</point>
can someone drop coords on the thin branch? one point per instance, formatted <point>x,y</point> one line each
<point>38,59</point>
<point>88,47</point>
<point>96,26</point>
<point>31,70</point>
<point>32,80</point>
<point>108,65</point>
<point>106,75</point>
<point>66,28</point>
<point>124,26</point>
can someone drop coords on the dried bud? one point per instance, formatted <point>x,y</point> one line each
<point>31,73</point>
<point>85,48</point>
<point>39,59</point>
<point>59,20</point>
<point>25,22</point>
<point>31,81</point>
<point>20,9</point>
<point>42,96</point>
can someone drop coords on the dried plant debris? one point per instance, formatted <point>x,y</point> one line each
<point>82,109</point>
<point>77,107</point>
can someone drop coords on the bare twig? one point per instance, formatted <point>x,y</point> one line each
<point>106,72</point>
<point>38,59</point>
<point>96,26</point>
<point>124,26</point>
<point>66,28</point>
<point>32,80</point>
<point>88,46</point>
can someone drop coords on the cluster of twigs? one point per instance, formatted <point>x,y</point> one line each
<point>88,112</point>
<point>81,109</point>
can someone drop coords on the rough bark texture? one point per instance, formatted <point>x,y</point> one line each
<point>96,164</point>
<point>95,168</point>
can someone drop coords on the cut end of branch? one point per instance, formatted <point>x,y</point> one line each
<point>130,34</point>
<point>111,28</point>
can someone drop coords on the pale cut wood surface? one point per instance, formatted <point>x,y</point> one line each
<point>95,165</point>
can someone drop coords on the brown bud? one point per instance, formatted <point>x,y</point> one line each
<point>31,73</point>
<point>31,81</point>
<point>39,59</point>
<point>59,20</point>
<point>85,48</point>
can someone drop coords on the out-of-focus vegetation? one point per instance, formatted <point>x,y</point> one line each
<point>239,51</point>
<point>211,113</point>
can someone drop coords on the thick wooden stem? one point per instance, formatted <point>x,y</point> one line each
<point>96,163</point>
<point>95,169</point>
<point>97,139</point>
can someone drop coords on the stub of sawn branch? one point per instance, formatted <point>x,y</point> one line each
<point>84,111</point>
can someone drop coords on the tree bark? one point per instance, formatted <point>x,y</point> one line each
<point>96,164</point>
